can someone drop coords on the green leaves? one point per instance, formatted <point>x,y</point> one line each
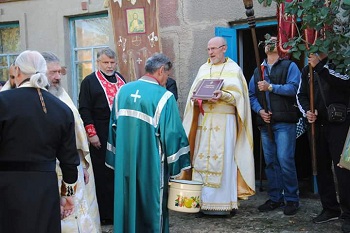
<point>306,4</point>
<point>332,23</point>
<point>301,47</point>
<point>272,43</point>
<point>346,7</point>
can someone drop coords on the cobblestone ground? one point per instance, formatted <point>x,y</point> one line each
<point>248,219</point>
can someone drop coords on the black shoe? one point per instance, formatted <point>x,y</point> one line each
<point>291,208</point>
<point>326,216</point>
<point>233,212</point>
<point>346,226</point>
<point>270,205</point>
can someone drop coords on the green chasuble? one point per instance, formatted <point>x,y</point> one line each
<point>147,144</point>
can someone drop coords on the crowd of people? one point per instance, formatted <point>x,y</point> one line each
<point>109,160</point>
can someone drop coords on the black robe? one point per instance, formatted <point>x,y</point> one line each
<point>94,109</point>
<point>29,198</point>
<point>171,86</point>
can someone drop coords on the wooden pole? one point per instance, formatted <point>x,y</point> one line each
<point>248,4</point>
<point>312,136</point>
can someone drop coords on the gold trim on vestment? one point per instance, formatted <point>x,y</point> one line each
<point>235,93</point>
<point>208,159</point>
<point>243,190</point>
<point>219,108</point>
<point>219,206</point>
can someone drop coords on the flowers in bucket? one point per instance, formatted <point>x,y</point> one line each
<point>188,202</point>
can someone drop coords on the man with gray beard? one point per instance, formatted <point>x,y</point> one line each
<point>86,217</point>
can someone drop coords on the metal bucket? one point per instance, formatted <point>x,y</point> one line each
<point>185,196</point>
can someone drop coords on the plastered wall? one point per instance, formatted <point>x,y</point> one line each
<point>185,28</point>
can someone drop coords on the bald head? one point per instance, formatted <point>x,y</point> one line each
<point>216,50</point>
<point>217,39</point>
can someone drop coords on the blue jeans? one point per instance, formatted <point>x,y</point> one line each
<point>280,165</point>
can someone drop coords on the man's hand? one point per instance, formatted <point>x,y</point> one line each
<point>95,141</point>
<point>86,175</point>
<point>266,116</point>
<point>67,206</point>
<point>311,117</point>
<point>313,59</point>
<point>216,97</point>
<point>263,85</point>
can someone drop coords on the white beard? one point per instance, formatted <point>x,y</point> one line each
<point>56,90</point>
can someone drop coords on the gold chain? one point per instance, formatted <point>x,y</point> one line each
<point>220,71</point>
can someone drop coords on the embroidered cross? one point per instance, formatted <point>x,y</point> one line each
<point>136,95</point>
<point>139,61</point>
<point>217,128</point>
<point>201,156</point>
<point>215,157</point>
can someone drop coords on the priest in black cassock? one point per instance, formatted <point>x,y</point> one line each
<point>96,96</point>
<point>35,129</point>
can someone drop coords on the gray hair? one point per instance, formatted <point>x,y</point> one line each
<point>106,51</point>
<point>156,61</point>
<point>33,64</point>
<point>50,57</point>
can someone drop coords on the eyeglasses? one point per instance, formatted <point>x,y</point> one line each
<point>215,48</point>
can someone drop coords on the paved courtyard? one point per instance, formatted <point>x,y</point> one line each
<point>248,219</point>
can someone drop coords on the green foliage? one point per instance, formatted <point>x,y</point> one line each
<point>332,23</point>
<point>268,42</point>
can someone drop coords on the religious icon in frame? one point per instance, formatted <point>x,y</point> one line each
<point>135,19</point>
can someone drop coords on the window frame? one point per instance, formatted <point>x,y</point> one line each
<point>74,59</point>
<point>4,25</point>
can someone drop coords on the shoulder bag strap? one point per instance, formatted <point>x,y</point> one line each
<point>321,89</point>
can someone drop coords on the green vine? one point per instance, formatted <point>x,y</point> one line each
<point>332,23</point>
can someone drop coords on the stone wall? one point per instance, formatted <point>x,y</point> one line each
<point>187,25</point>
<point>185,28</point>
